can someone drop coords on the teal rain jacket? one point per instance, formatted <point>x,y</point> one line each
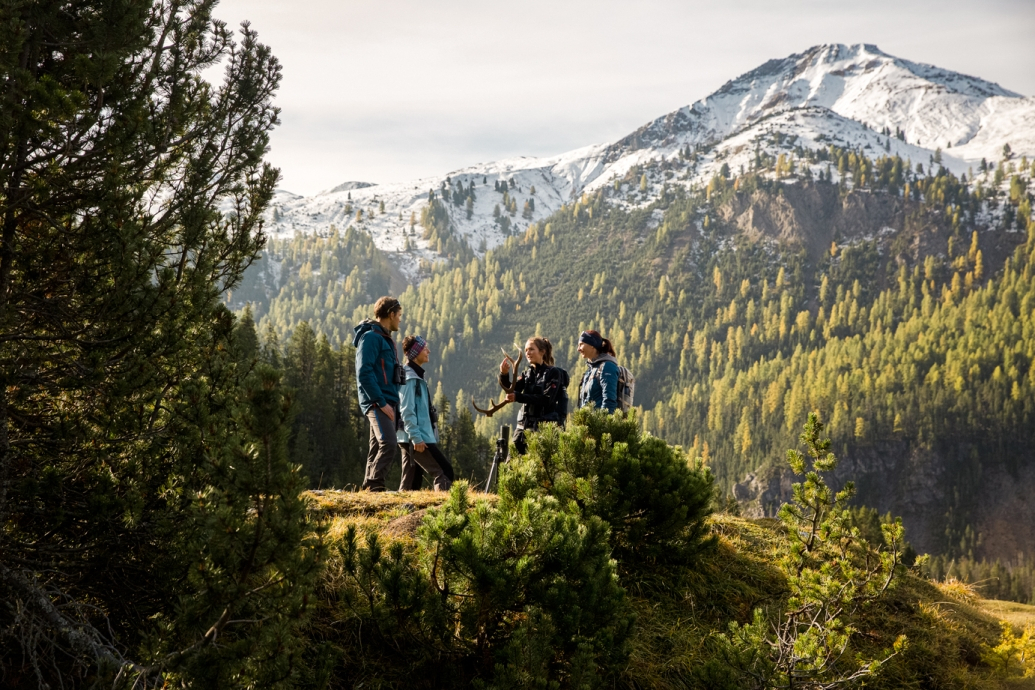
<point>415,408</point>
<point>375,361</point>
<point>599,387</point>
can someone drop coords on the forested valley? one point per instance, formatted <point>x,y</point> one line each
<point>896,303</point>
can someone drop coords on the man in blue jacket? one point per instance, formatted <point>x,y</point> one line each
<point>378,379</point>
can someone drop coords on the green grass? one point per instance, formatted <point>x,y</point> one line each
<point>1017,615</point>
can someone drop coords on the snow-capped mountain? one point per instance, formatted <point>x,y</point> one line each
<point>852,96</point>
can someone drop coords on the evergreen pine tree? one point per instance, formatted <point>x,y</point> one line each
<point>246,338</point>
<point>270,350</point>
<point>150,523</point>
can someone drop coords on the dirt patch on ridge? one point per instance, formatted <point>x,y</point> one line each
<point>405,526</point>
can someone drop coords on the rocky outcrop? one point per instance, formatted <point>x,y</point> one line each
<point>936,492</point>
<point>814,215</point>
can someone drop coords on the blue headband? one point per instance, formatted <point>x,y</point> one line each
<point>594,341</point>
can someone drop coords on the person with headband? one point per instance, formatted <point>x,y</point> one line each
<point>418,436</point>
<point>599,387</point>
<point>542,390</point>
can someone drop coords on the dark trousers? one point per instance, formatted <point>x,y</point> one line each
<point>520,444</point>
<point>524,427</point>
<point>431,460</point>
<point>383,445</point>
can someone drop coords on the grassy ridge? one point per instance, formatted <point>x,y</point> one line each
<point>677,613</point>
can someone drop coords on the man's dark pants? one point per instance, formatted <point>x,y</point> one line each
<point>383,448</point>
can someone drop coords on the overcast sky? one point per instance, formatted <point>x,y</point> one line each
<point>390,90</point>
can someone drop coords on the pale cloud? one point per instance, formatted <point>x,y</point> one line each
<point>388,91</point>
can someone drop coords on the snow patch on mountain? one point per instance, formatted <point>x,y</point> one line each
<point>349,186</point>
<point>387,211</point>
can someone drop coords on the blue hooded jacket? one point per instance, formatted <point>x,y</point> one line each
<point>599,387</point>
<point>415,409</point>
<point>375,362</point>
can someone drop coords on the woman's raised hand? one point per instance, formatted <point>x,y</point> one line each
<point>505,366</point>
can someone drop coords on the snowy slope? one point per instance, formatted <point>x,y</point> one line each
<point>933,107</point>
<point>556,180</point>
<point>830,94</point>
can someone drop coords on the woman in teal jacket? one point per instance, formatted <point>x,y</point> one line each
<point>418,437</point>
<point>599,387</point>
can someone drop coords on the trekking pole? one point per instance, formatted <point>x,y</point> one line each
<point>502,449</point>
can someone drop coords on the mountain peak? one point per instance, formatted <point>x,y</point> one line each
<point>859,82</point>
<point>854,96</point>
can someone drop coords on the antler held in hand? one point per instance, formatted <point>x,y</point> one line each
<point>493,407</point>
<point>514,364</point>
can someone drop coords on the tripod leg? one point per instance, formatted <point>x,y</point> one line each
<point>490,483</point>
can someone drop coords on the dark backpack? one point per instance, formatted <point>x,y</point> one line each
<point>626,389</point>
<point>560,405</point>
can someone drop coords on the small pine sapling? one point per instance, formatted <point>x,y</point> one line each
<point>832,573</point>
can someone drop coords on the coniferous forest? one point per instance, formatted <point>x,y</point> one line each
<point>816,355</point>
<point>904,315</point>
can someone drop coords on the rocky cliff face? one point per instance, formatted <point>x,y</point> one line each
<point>936,491</point>
<point>817,218</point>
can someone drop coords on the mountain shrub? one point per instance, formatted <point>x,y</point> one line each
<point>832,575</point>
<point>520,593</point>
<point>652,496</point>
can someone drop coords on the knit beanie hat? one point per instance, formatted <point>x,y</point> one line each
<point>416,348</point>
